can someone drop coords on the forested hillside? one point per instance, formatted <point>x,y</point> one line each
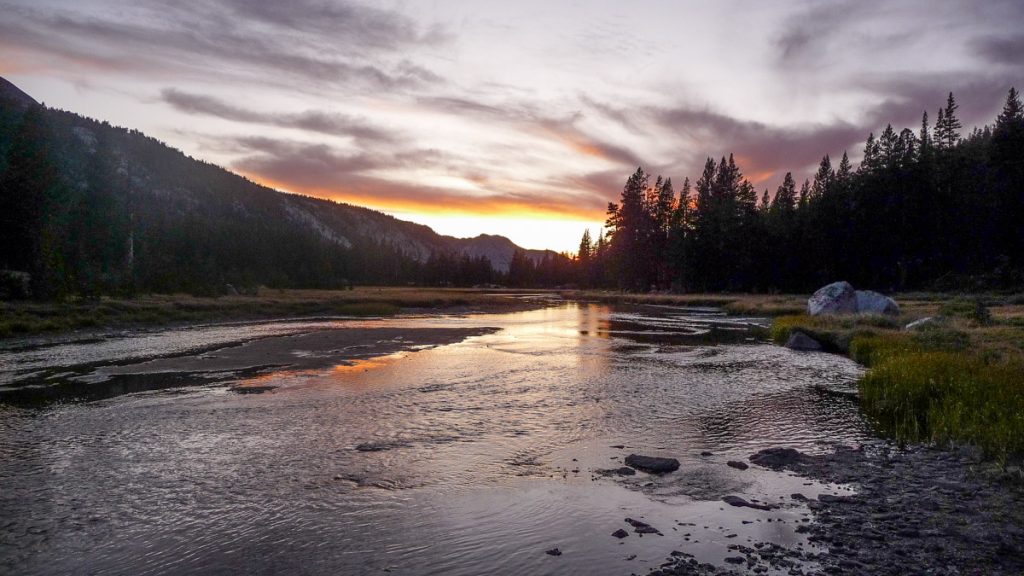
<point>925,209</point>
<point>89,208</point>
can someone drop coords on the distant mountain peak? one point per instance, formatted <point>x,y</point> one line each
<point>14,95</point>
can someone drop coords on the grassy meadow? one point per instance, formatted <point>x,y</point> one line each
<point>956,380</point>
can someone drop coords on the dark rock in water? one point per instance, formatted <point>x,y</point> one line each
<point>620,533</point>
<point>776,457</point>
<point>798,496</point>
<point>706,453</point>
<point>737,465</point>
<point>624,471</point>
<point>252,389</point>
<point>643,527</point>
<point>741,503</point>
<point>618,446</point>
<point>831,499</point>
<point>735,560</point>
<point>802,342</point>
<point>652,464</point>
<point>553,552</point>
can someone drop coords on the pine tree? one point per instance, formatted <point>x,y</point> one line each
<point>845,170</point>
<point>584,253</point>
<point>947,127</point>
<point>924,138</point>
<point>1012,111</point>
<point>822,179</point>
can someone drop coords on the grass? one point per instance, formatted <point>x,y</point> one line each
<point>960,380</point>
<point>25,318</point>
<point>736,304</point>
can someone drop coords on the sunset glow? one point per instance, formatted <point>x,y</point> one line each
<point>473,118</point>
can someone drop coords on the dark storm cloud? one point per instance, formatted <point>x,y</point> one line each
<point>312,121</point>
<point>167,38</point>
<point>1007,49</point>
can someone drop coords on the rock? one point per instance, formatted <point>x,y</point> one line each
<point>652,464</point>
<point>643,527</point>
<point>802,342</point>
<point>625,471</point>
<point>836,298</point>
<point>833,499</point>
<point>553,552</point>
<point>620,533</point>
<point>735,560</point>
<point>741,503</point>
<point>251,389</point>
<point>737,465</point>
<point>922,323</point>
<point>871,302</point>
<point>706,453</point>
<point>798,496</point>
<point>776,457</point>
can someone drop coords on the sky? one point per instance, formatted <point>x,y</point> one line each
<point>516,118</point>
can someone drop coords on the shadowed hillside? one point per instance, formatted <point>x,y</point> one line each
<point>87,207</point>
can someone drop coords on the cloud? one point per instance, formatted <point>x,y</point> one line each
<point>1006,50</point>
<point>320,170</point>
<point>367,47</point>
<point>311,121</point>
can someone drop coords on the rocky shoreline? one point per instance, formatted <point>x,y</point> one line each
<point>916,511</point>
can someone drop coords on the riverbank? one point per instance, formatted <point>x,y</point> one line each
<point>956,376</point>
<point>734,304</point>
<point>915,511</point>
<point>22,318</point>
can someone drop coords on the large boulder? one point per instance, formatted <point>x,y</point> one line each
<point>836,298</point>
<point>871,302</point>
<point>802,342</point>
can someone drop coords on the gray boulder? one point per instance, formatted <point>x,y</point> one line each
<point>800,341</point>
<point>836,298</point>
<point>871,302</point>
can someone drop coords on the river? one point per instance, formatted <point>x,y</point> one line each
<point>463,445</point>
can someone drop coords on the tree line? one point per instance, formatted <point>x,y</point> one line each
<point>925,209</point>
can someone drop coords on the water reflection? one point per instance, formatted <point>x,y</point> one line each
<point>467,458</point>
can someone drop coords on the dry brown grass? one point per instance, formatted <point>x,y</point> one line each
<point>22,318</point>
<point>739,304</point>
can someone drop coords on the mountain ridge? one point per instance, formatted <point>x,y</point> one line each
<point>179,214</point>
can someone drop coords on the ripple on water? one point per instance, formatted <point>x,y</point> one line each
<point>462,459</point>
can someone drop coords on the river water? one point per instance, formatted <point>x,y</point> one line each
<point>412,445</point>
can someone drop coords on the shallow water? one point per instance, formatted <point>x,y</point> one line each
<point>467,458</point>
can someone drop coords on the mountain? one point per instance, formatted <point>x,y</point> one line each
<point>86,204</point>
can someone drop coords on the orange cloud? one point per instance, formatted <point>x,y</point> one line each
<point>431,201</point>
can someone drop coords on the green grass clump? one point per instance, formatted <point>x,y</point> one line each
<point>944,397</point>
<point>973,309</point>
